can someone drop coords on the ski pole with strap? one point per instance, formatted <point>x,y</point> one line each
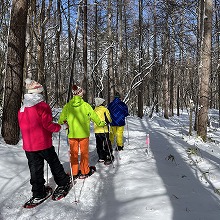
<point>106,139</point>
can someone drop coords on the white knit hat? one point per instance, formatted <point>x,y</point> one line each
<point>76,90</point>
<point>33,86</point>
<point>99,101</point>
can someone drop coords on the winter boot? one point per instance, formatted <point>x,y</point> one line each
<point>109,160</point>
<point>92,170</point>
<point>77,176</point>
<point>119,148</point>
<point>61,191</point>
<point>33,202</point>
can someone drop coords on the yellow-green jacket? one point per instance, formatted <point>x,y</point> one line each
<point>78,113</point>
<point>101,112</point>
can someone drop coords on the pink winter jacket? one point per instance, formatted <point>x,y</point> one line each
<point>36,125</point>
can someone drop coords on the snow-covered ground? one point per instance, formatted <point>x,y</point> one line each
<point>178,179</point>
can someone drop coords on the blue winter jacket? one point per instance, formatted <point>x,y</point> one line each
<point>118,111</point>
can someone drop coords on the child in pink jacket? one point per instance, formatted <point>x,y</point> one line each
<point>35,121</point>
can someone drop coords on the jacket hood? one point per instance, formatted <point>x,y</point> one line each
<point>31,100</point>
<point>76,101</point>
<point>116,100</point>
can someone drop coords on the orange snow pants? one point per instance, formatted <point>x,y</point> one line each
<point>81,144</point>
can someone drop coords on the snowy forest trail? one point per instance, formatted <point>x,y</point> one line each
<point>166,184</point>
<point>181,177</point>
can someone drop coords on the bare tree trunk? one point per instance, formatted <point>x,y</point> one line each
<point>29,43</point>
<point>95,49</point>
<point>165,62</point>
<point>165,88</point>
<point>14,71</point>
<point>204,70</point>
<point>140,88</point>
<point>111,81</point>
<point>40,48</point>
<point>171,111</point>
<point>120,69</point>
<point>58,67</point>
<point>74,54</point>
<point>178,100</point>
<point>85,25</point>
<point>190,117</point>
<point>64,76</point>
<point>126,37</point>
<point>172,81</point>
<point>217,26</point>
<point>155,73</point>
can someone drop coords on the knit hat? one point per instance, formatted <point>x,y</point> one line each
<point>76,90</point>
<point>117,95</point>
<point>33,86</point>
<point>99,101</point>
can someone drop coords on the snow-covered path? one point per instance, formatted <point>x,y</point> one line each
<point>166,184</point>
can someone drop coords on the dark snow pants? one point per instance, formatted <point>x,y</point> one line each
<point>36,166</point>
<point>103,145</point>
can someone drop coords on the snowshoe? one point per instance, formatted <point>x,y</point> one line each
<point>109,160</point>
<point>61,191</point>
<point>77,176</point>
<point>74,176</point>
<point>119,148</point>
<point>92,170</point>
<point>33,202</point>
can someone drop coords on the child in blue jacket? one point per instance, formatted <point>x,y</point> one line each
<point>118,111</point>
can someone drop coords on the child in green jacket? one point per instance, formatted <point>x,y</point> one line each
<point>78,113</point>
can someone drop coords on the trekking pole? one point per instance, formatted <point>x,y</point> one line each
<point>71,173</point>
<point>47,175</point>
<point>106,139</point>
<point>58,150</point>
<point>57,155</point>
<point>47,169</point>
<point>127,129</point>
<point>80,193</point>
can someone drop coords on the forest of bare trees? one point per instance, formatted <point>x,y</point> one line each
<point>161,54</point>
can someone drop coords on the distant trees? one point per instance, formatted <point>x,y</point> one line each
<point>156,53</point>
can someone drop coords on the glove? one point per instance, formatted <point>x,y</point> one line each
<point>64,127</point>
<point>102,124</point>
